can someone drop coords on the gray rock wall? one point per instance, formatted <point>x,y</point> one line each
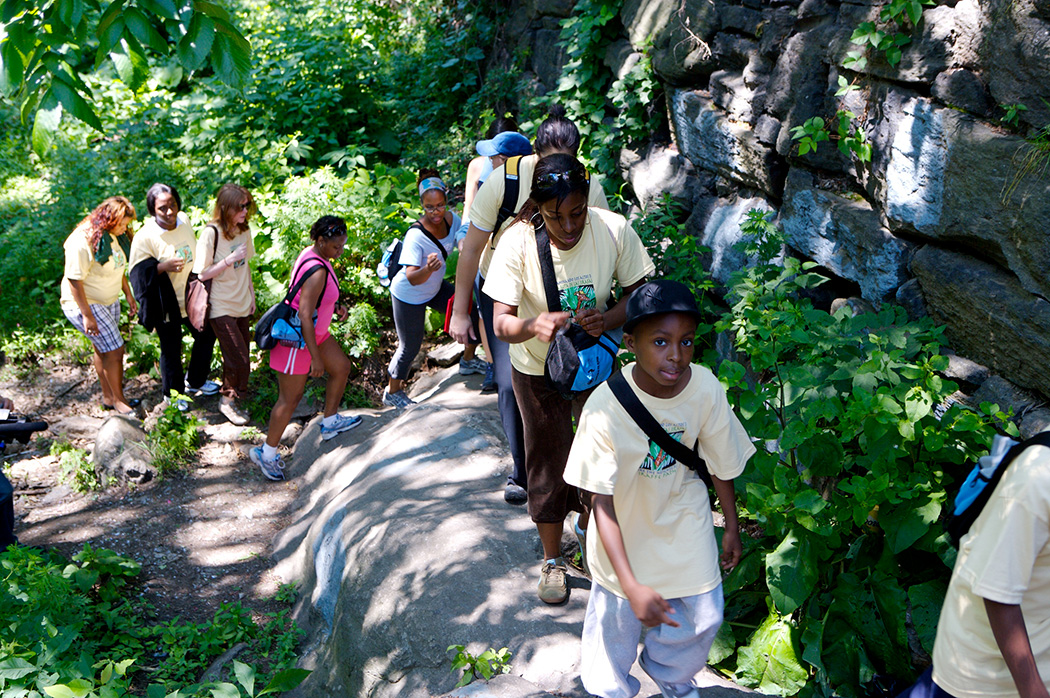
<point>950,201</point>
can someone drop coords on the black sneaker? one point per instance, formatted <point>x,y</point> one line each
<point>514,493</point>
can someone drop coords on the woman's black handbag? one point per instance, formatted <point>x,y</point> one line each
<point>280,324</point>
<point>576,361</point>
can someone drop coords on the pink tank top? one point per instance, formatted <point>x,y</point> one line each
<point>331,291</point>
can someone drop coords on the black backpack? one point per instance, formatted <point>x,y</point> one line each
<point>390,265</point>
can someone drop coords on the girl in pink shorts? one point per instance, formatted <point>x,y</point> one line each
<point>316,304</point>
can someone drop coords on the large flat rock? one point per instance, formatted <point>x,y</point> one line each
<point>405,546</point>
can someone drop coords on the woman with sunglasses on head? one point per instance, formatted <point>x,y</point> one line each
<point>96,261</point>
<point>591,250</point>
<point>223,251</point>
<point>556,134</point>
<point>161,261</point>
<point>420,284</point>
<point>316,303</point>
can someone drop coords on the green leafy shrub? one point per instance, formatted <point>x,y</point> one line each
<point>848,488</point>
<point>76,628</point>
<point>483,666</point>
<point>75,467</point>
<point>174,439</point>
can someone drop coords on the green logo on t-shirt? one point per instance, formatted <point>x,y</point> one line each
<point>657,462</point>
<point>576,298</point>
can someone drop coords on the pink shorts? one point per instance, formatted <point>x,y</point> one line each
<point>293,362</point>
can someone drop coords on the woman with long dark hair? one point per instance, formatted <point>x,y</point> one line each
<point>96,262</point>
<point>223,251</point>
<point>591,250</point>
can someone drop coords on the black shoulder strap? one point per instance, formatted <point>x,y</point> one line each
<point>430,236</point>
<point>215,245</point>
<point>676,449</point>
<point>302,280</point>
<point>511,190</point>
<point>550,284</point>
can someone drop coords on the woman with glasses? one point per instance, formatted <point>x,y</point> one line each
<point>223,251</point>
<point>161,262</point>
<point>96,259</point>
<point>420,284</point>
<point>591,250</point>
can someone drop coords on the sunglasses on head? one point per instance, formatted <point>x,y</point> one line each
<point>552,178</point>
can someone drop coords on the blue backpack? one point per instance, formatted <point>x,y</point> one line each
<point>981,482</point>
<point>390,264</point>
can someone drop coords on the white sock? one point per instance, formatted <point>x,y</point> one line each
<point>269,452</point>
<point>329,421</point>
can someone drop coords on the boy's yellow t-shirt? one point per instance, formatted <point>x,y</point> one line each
<point>102,282</point>
<point>662,506</point>
<point>231,292</point>
<point>609,250</point>
<point>1004,558</point>
<point>153,241</point>
<point>485,209</point>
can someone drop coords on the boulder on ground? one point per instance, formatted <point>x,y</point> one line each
<point>120,452</point>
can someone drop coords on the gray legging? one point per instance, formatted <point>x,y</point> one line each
<point>410,320</point>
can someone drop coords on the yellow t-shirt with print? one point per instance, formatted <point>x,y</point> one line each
<point>231,293</point>
<point>102,282</point>
<point>485,209</point>
<point>1005,557</point>
<point>153,241</point>
<point>609,250</point>
<point>662,506</point>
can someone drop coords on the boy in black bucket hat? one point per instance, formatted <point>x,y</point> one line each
<point>655,560</point>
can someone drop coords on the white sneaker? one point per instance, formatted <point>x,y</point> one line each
<point>398,399</point>
<point>341,424</point>
<point>271,469</point>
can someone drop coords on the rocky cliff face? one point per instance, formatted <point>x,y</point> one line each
<point>949,216</point>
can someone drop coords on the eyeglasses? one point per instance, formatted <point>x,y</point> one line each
<point>435,209</point>
<point>245,206</point>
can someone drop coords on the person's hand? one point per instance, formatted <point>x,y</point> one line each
<point>174,264</point>
<point>461,328</point>
<point>650,608</point>
<point>341,312</point>
<point>591,320</point>
<point>433,263</point>
<point>316,366</point>
<point>90,325</point>
<point>133,307</point>
<point>731,549</point>
<point>6,403</point>
<point>545,325</point>
<point>237,255</point>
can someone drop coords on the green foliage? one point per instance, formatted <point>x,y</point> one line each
<point>887,36</point>
<point>287,593</point>
<point>174,438</point>
<point>74,628</point>
<point>483,666</point>
<point>851,139</point>
<point>47,48</point>
<point>1031,160</point>
<point>849,487</point>
<point>1012,114</point>
<point>610,112</point>
<point>75,467</point>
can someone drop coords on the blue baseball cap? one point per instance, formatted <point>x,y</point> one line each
<point>509,143</point>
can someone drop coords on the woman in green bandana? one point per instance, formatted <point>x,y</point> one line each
<point>96,259</point>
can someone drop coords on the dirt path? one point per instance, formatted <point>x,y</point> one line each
<point>201,539</point>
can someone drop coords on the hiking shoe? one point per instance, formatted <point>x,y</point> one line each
<point>514,493</point>
<point>489,384</point>
<point>341,424</point>
<point>665,688</point>
<point>581,538</point>
<point>207,388</point>
<point>469,367</point>
<point>271,469</point>
<point>554,586</point>
<point>398,399</point>
<point>234,414</point>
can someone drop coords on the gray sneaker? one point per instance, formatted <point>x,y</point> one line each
<point>271,469</point>
<point>469,367</point>
<point>554,586</point>
<point>398,399</point>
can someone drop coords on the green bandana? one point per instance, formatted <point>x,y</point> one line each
<point>105,248</point>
